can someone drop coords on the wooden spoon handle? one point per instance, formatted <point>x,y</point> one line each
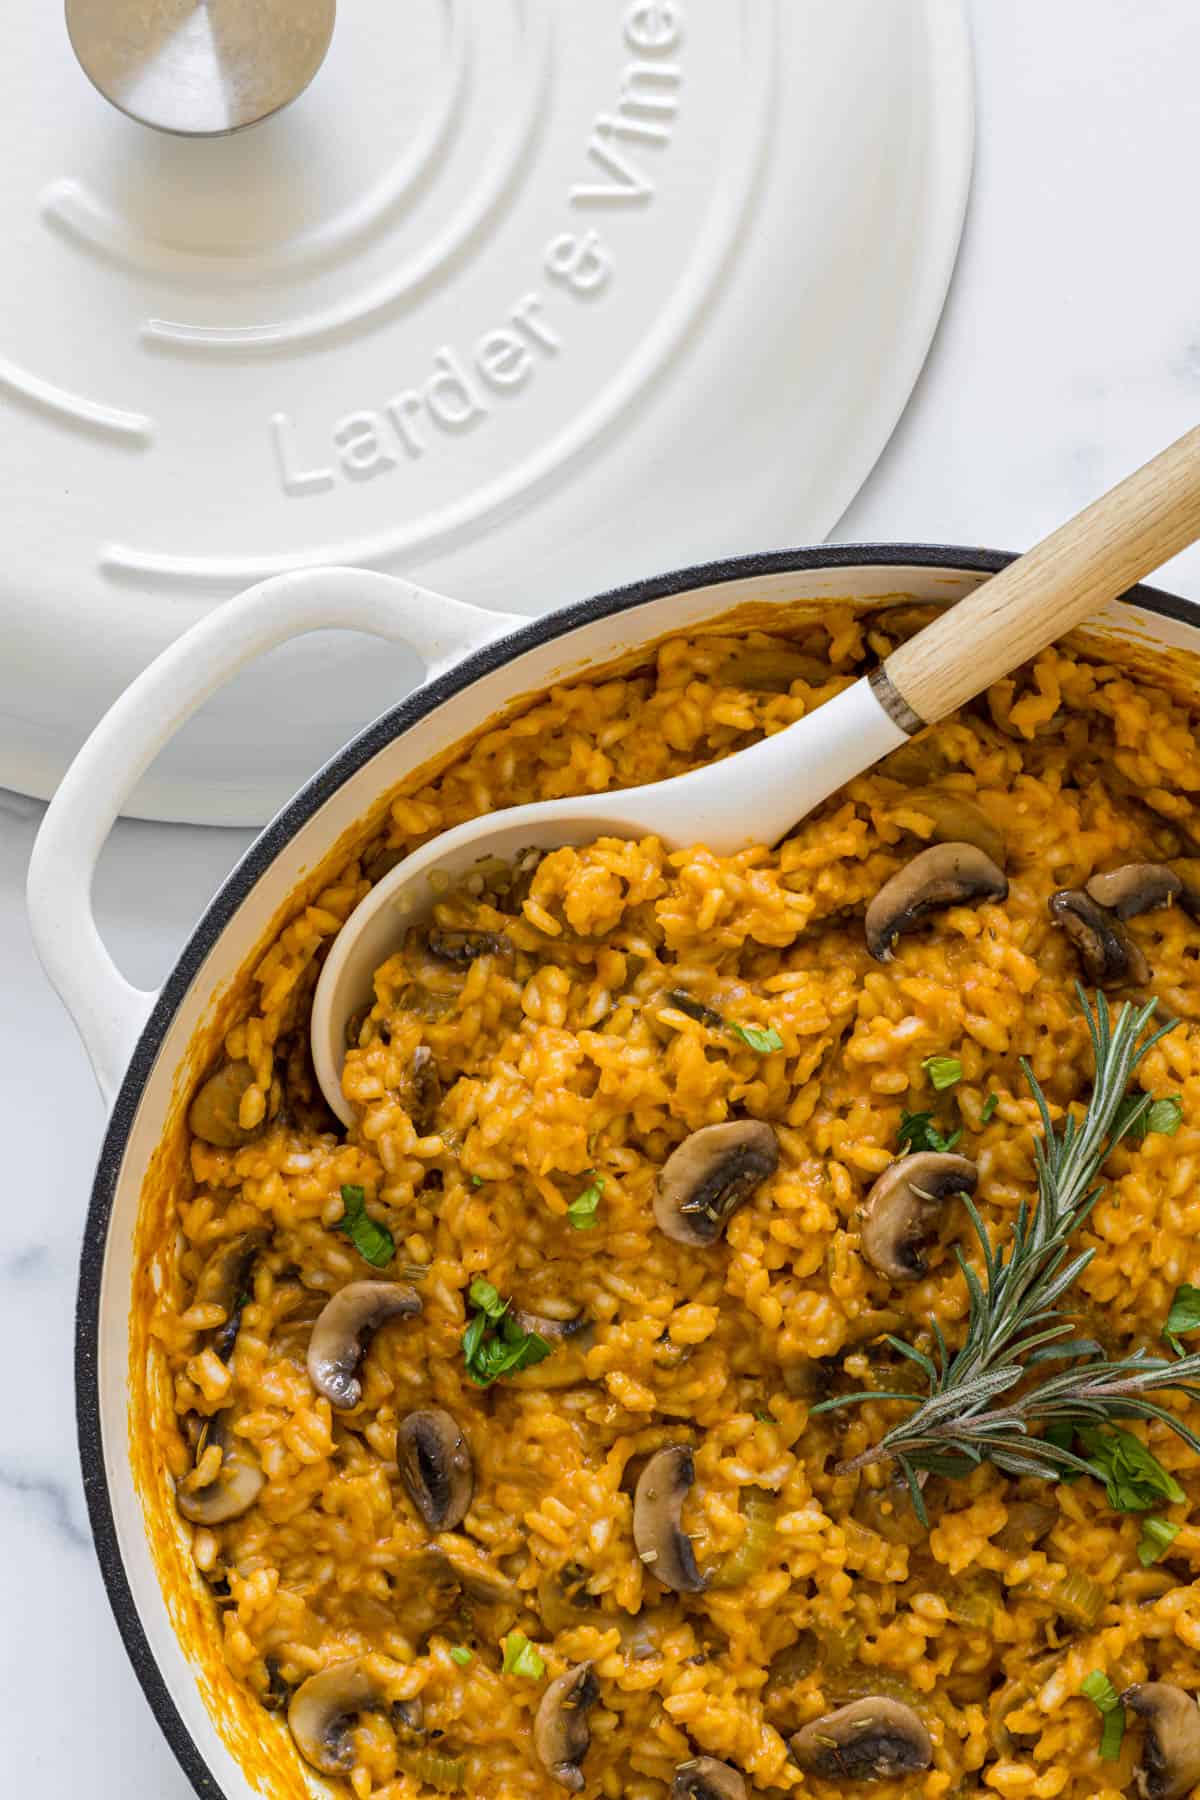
<point>1147,518</point>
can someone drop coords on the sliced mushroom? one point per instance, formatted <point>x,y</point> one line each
<point>903,1207</point>
<point>579,1331</point>
<point>944,875</point>
<point>462,947</point>
<point>238,1482</point>
<point>323,1709</point>
<point>560,1729</point>
<point>707,1177</point>
<point>1109,957</point>
<point>704,1778</point>
<point>423,1093</point>
<point>1135,888</point>
<point>343,1330</point>
<point>213,1114</point>
<point>956,820</point>
<point>869,1740</point>
<point>223,1282</point>
<point>435,1466</point>
<point>563,1599</point>
<point>662,1545</point>
<point>1169,1766</point>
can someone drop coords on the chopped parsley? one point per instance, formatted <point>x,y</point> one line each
<point>764,1418</point>
<point>520,1657</point>
<point>583,1209</point>
<point>1183,1317</point>
<point>373,1242</point>
<point>1164,1116</point>
<point>477,1181</point>
<point>493,1343</point>
<point>1157,1537</point>
<point>917,1131</point>
<point>943,1071</point>
<point>1134,1479</point>
<point>1097,1688</point>
<point>461,1655</point>
<point>764,1042</point>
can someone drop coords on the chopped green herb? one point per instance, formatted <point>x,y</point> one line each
<point>373,1242</point>
<point>493,1343</point>
<point>1133,1478</point>
<point>917,1131</point>
<point>582,1210</point>
<point>989,1108</point>
<point>943,1071</point>
<point>1157,1537</point>
<point>520,1657</point>
<point>1138,1120</point>
<point>477,1181</point>
<point>461,1655</point>
<point>764,1418</point>
<point>765,1042</point>
<point>486,1299</point>
<point>1184,1316</point>
<point>1097,1688</point>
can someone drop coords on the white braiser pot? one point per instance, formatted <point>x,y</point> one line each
<point>477,664</point>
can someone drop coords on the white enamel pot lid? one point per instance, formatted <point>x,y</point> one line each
<point>154,1031</point>
<point>519,298</point>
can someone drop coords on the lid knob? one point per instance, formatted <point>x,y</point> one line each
<point>200,68</point>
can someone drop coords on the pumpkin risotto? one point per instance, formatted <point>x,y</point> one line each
<point>502,1423</point>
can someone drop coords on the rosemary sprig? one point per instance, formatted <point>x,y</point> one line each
<point>1015,1323</point>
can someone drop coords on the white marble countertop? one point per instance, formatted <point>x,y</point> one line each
<point>1069,351</point>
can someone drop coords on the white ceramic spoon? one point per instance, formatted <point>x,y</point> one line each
<point>757,795</point>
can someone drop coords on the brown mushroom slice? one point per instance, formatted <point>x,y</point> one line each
<point>1169,1766</point>
<point>560,1728</point>
<point>1134,888</point>
<point>344,1328</point>
<point>434,1464</point>
<point>563,1599</point>
<point>1109,956</point>
<point>459,948</point>
<point>238,1483</point>
<point>944,875</point>
<point>707,1177</point>
<point>223,1282</point>
<point>214,1112</point>
<point>323,1709</point>
<point>955,820</point>
<point>903,1207</point>
<point>704,1778</point>
<point>872,1739</point>
<point>661,1543</point>
<point>579,1331</point>
<point>423,1090</point>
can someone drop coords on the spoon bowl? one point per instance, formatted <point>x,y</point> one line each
<point>756,795</point>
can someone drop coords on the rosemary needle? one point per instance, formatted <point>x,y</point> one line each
<point>1015,1326</point>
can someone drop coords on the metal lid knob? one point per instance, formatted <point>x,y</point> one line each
<point>200,68</point>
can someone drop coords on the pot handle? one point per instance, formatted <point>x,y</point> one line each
<point>109,1012</point>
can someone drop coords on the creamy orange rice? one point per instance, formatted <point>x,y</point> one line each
<point>606,1003</point>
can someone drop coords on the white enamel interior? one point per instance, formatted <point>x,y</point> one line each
<point>596,642</point>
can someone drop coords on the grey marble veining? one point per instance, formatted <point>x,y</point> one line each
<point>1069,351</point>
